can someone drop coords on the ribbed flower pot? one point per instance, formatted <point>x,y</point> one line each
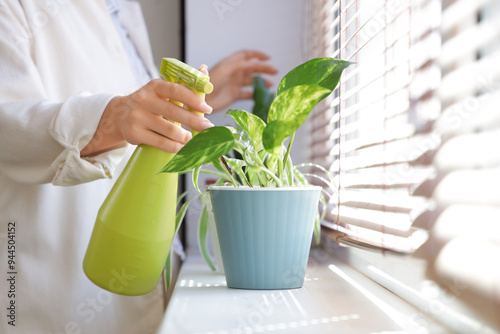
<point>265,234</point>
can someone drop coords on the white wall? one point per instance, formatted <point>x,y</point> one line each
<point>216,28</point>
<point>163,19</point>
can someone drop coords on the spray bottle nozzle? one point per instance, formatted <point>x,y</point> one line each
<point>176,71</point>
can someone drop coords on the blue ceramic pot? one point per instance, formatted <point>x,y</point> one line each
<point>265,234</point>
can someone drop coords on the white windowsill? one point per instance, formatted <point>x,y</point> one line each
<point>334,298</point>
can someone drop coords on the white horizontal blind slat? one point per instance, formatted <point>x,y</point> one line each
<point>394,202</point>
<point>470,78</point>
<point>393,223</point>
<point>373,124</point>
<point>469,151</point>
<point>458,12</point>
<point>455,221</point>
<point>471,114</point>
<point>476,37</point>
<point>464,186</point>
<point>461,259</point>
<point>388,153</point>
<point>371,239</point>
<point>386,177</point>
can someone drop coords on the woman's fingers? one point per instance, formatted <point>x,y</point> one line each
<point>248,54</point>
<point>203,69</point>
<point>245,95</point>
<point>168,129</point>
<point>175,113</point>
<point>170,90</point>
<point>166,144</point>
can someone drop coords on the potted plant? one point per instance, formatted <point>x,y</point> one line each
<point>264,207</point>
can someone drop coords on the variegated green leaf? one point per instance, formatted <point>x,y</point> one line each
<point>195,175</point>
<point>324,72</point>
<point>203,148</point>
<point>251,124</point>
<point>288,111</point>
<point>202,238</point>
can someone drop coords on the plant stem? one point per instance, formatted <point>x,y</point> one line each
<point>289,170</point>
<point>323,169</point>
<point>266,170</point>
<point>271,174</point>
<point>328,183</point>
<point>242,175</point>
<point>280,169</point>
<point>226,168</point>
<point>262,180</point>
<point>287,154</point>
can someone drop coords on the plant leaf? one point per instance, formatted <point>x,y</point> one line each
<point>237,167</point>
<point>203,148</point>
<point>181,214</point>
<point>324,72</point>
<point>250,124</point>
<point>178,220</point>
<point>242,142</point>
<point>317,229</point>
<point>218,165</point>
<point>202,238</point>
<point>168,270</point>
<point>262,98</point>
<point>181,197</point>
<point>289,170</point>
<point>195,175</point>
<point>301,179</point>
<point>226,170</point>
<point>253,177</point>
<point>288,111</point>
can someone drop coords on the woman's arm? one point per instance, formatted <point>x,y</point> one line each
<point>75,140</point>
<point>146,116</point>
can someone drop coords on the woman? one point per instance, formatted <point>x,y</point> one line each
<point>77,88</point>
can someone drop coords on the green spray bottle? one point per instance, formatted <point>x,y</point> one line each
<point>135,225</point>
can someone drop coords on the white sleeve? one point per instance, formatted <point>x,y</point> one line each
<point>40,139</point>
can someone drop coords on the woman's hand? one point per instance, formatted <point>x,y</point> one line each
<point>143,118</point>
<point>233,74</point>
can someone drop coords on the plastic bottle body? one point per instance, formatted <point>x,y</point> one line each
<point>135,226</point>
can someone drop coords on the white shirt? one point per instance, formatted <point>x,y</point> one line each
<point>60,64</point>
<point>138,68</point>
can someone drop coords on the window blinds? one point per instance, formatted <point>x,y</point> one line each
<point>369,133</point>
<point>411,133</point>
<point>464,243</point>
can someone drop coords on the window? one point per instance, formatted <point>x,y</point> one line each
<point>410,136</point>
